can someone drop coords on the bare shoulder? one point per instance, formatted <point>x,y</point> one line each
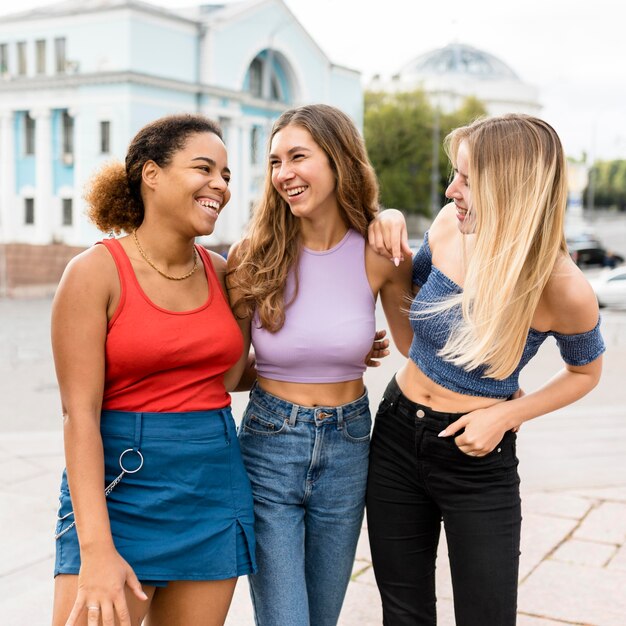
<point>234,254</point>
<point>94,266</point>
<point>219,262</point>
<point>380,270</point>
<point>444,226</point>
<point>570,299</point>
<point>89,282</point>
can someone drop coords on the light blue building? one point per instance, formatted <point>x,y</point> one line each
<point>79,78</point>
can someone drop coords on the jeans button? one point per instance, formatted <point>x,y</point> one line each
<point>420,413</point>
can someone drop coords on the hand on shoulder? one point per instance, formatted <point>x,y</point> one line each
<point>387,235</point>
<point>380,269</point>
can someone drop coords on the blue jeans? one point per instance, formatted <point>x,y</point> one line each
<point>308,469</point>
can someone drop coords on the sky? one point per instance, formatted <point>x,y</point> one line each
<point>574,51</point>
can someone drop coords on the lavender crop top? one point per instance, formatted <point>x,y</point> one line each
<point>329,328</point>
<point>431,333</point>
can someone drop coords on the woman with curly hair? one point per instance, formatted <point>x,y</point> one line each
<point>303,285</point>
<point>155,515</point>
<point>493,281</point>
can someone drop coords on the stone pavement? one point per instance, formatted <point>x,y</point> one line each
<point>573,468</point>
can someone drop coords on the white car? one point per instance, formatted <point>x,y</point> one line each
<point>610,287</point>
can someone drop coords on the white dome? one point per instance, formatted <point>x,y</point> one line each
<point>459,59</point>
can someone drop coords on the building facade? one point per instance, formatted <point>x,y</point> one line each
<point>79,78</point>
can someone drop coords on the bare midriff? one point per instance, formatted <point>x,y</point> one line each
<point>314,394</point>
<point>416,386</point>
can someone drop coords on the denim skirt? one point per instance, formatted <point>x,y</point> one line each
<point>183,508</point>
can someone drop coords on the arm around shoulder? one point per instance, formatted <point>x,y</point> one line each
<point>395,287</point>
<point>241,376</point>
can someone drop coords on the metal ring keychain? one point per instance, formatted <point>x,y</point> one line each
<point>107,490</point>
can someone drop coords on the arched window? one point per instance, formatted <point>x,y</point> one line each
<point>268,78</point>
<point>255,78</point>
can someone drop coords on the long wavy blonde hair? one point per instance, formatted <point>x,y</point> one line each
<point>272,243</point>
<point>518,177</point>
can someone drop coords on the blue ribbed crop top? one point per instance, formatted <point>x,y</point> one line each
<point>431,332</point>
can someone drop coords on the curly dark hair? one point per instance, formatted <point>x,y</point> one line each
<point>114,193</point>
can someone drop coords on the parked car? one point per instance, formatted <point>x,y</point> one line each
<point>610,287</point>
<point>592,252</point>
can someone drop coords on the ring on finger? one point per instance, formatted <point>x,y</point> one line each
<point>93,607</point>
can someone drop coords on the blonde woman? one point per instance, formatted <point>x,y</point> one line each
<point>493,281</point>
<point>304,286</point>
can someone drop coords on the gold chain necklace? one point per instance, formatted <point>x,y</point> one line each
<point>152,265</point>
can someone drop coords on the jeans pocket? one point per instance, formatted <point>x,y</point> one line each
<point>502,455</point>
<point>358,428</point>
<point>263,423</point>
<point>384,406</point>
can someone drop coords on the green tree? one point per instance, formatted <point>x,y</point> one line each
<point>399,131</point>
<point>609,178</point>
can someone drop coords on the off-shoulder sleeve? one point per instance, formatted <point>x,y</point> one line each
<point>582,348</point>
<point>422,262</point>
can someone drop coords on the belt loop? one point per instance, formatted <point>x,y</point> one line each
<point>137,441</point>
<point>396,392</point>
<point>294,413</point>
<point>339,410</point>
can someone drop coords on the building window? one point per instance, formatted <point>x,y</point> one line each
<point>29,134</point>
<point>67,217</point>
<point>224,123</point>
<point>59,55</point>
<point>4,58</point>
<point>105,137</point>
<point>255,138</point>
<point>29,210</point>
<point>40,46</point>
<point>22,65</point>
<point>67,130</point>
<point>256,78</point>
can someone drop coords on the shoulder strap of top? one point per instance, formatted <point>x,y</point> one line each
<point>581,348</point>
<point>120,258</point>
<point>123,266</point>
<point>214,281</point>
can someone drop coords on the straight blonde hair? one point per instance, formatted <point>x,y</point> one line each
<point>272,244</point>
<point>517,172</point>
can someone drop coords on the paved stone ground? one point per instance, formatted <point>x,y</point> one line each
<point>573,467</point>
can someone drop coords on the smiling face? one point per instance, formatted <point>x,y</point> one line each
<point>301,173</point>
<point>193,188</point>
<point>459,192</point>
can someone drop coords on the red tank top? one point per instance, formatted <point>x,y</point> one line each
<point>167,361</point>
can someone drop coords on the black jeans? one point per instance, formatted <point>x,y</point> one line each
<point>416,480</point>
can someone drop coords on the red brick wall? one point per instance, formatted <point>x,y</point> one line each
<point>29,265</point>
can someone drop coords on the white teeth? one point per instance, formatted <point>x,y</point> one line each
<point>295,191</point>
<point>213,204</point>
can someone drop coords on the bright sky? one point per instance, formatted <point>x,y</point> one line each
<point>574,51</point>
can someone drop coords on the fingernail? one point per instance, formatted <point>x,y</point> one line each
<point>442,433</point>
<point>396,261</point>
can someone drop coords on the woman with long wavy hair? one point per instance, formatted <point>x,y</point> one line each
<point>492,281</point>
<point>303,284</point>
